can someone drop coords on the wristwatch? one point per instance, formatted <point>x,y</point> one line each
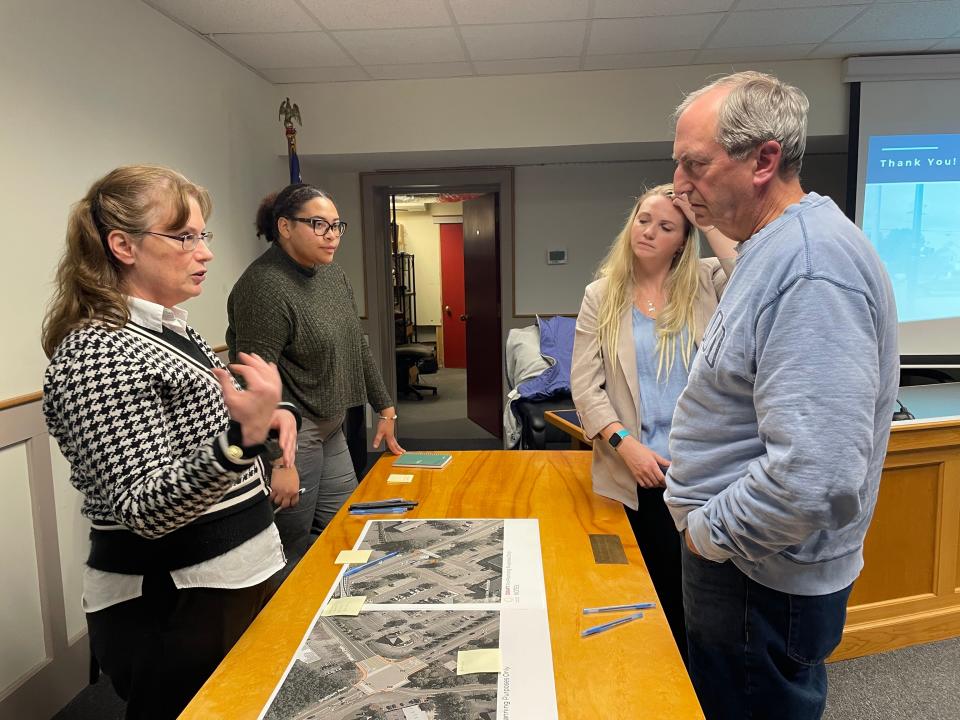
<point>618,437</point>
<point>272,450</point>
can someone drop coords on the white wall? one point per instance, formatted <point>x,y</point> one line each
<point>576,207</point>
<point>529,111</point>
<point>521,111</point>
<point>582,207</point>
<point>21,621</point>
<point>579,207</point>
<point>87,86</point>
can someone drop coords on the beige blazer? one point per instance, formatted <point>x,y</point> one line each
<point>606,389</point>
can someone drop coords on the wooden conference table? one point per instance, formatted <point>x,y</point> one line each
<point>633,671</point>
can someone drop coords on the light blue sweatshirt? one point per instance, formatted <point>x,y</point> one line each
<point>780,436</point>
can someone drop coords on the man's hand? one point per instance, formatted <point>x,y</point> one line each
<point>690,546</point>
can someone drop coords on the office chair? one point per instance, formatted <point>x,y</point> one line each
<point>420,359</point>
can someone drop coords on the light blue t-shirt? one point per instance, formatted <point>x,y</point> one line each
<point>658,398</point>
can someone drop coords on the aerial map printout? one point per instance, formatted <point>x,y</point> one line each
<point>434,589</point>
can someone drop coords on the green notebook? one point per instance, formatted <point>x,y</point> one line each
<point>423,460</point>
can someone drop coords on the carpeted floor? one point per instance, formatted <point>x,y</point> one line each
<point>916,683</point>
<point>442,417</point>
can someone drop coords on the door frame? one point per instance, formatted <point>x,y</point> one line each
<point>375,189</point>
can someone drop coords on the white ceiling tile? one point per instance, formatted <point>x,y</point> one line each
<point>625,61</point>
<point>474,12</point>
<point>904,21</point>
<point>527,40</point>
<point>754,54</point>
<point>876,47</point>
<point>284,50</point>
<point>527,67</point>
<point>231,16</point>
<point>416,71</point>
<point>773,27</point>
<point>396,47</point>
<point>632,35</point>
<point>314,75</point>
<point>785,4</point>
<point>379,14</point>
<point>647,8</point>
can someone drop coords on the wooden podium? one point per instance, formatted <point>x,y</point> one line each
<point>909,591</point>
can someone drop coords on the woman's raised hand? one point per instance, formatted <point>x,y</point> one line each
<point>682,202</point>
<point>253,407</point>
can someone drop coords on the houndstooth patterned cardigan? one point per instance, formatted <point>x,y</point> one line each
<point>144,427</point>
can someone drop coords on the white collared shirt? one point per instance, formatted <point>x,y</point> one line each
<point>248,564</point>
<point>156,317</point>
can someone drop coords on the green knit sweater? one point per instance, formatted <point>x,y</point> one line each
<point>305,320</point>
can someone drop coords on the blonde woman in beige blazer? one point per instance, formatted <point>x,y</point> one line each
<point>637,332</point>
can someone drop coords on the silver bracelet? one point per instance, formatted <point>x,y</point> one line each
<point>384,417</point>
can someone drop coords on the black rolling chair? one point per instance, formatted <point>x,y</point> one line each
<point>419,356</point>
<point>535,432</point>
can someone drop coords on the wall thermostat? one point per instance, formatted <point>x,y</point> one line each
<point>556,257</point>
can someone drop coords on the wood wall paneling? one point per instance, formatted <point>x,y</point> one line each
<point>901,561</point>
<point>21,621</point>
<point>909,591</point>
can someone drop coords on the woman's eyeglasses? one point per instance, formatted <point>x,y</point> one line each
<point>188,241</point>
<point>321,227</point>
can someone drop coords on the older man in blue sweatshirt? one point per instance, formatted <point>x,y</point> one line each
<point>779,438</point>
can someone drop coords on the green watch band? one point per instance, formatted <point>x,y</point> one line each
<point>618,437</point>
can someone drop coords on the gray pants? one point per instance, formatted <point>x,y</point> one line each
<point>327,479</point>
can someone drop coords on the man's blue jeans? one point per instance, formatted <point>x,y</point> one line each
<point>756,653</point>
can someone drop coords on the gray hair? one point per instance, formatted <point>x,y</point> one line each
<point>758,108</point>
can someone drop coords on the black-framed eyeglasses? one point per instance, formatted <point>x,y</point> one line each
<point>321,227</point>
<point>188,241</point>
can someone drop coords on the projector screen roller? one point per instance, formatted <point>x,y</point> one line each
<point>908,204</point>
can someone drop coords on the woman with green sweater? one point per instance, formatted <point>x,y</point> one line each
<point>294,306</point>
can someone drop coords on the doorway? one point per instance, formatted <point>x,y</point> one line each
<point>437,245</point>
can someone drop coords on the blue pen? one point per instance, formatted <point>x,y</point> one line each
<point>618,608</point>
<point>395,510</point>
<point>358,568</point>
<point>611,624</point>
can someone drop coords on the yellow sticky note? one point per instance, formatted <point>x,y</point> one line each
<point>477,661</point>
<point>344,606</point>
<point>351,557</point>
<point>395,479</point>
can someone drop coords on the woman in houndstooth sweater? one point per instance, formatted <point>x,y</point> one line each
<point>161,441</point>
